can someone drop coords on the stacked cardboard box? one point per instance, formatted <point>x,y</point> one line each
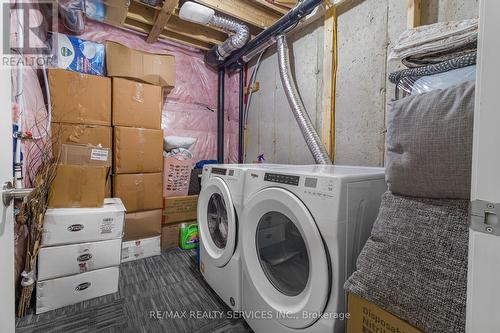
<point>81,110</point>
<point>138,149</point>
<point>177,210</point>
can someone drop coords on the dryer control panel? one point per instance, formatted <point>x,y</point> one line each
<point>282,179</point>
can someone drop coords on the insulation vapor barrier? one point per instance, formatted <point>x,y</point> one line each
<point>190,109</point>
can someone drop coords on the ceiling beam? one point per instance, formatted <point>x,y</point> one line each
<point>244,10</point>
<point>162,17</point>
<point>145,28</point>
<point>277,9</point>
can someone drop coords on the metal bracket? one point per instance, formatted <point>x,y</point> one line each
<point>9,192</point>
<point>484,217</point>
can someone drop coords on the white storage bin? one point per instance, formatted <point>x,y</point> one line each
<point>58,261</point>
<point>78,225</point>
<point>142,248</point>
<point>56,293</point>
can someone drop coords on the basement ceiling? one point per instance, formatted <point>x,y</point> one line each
<point>162,20</point>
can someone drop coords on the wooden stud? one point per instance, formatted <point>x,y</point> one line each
<point>329,80</point>
<point>161,19</point>
<point>414,13</point>
<point>243,10</point>
<point>277,9</point>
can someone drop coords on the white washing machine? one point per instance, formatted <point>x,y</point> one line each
<point>219,207</point>
<point>303,228</point>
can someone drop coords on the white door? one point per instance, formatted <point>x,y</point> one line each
<point>217,221</point>
<point>285,257</point>
<point>6,213</point>
<point>483,292</point>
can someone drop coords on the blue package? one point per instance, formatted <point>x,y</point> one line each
<point>79,55</point>
<point>95,10</point>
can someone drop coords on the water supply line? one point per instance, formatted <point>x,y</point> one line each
<point>298,109</point>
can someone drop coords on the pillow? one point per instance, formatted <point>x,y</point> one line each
<point>414,264</point>
<point>429,143</point>
<point>172,142</point>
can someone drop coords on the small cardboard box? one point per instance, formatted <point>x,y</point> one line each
<point>141,248</point>
<point>80,98</point>
<point>156,69</point>
<point>81,134</point>
<point>137,150</point>
<point>180,209</point>
<point>56,293</point>
<point>170,236</point>
<point>136,104</point>
<point>57,261</point>
<point>80,225</point>
<point>85,155</point>
<point>78,186</point>
<point>78,55</point>
<point>141,225</point>
<point>365,316</point>
<point>139,191</point>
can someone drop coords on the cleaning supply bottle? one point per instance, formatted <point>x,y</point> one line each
<point>188,236</point>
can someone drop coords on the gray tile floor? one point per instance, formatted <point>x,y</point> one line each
<point>170,282</point>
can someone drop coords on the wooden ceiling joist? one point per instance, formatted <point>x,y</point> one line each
<point>244,10</point>
<point>162,17</point>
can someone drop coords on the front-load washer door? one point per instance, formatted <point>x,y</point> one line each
<point>285,257</point>
<point>217,221</point>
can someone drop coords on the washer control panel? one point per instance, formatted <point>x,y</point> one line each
<point>282,179</point>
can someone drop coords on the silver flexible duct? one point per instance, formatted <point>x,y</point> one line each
<point>240,34</point>
<point>299,111</point>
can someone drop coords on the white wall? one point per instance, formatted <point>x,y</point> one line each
<point>367,29</point>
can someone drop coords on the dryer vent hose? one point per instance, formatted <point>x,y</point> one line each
<point>299,111</point>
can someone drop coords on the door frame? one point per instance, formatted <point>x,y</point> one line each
<point>7,287</point>
<point>483,294</point>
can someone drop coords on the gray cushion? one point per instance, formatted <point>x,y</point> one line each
<point>429,143</point>
<point>414,264</point>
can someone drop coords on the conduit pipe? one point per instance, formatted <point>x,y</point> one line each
<point>298,109</point>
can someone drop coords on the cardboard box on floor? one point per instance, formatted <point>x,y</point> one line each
<point>141,225</point>
<point>136,104</point>
<point>81,134</point>
<point>180,209</point>
<point>170,236</point>
<point>365,316</point>
<point>137,150</point>
<point>139,191</point>
<point>80,98</point>
<point>156,69</point>
<point>141,248</point>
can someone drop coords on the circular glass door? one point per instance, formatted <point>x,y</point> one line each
<point>282,253</point>
<point>284,257</point>
<point>217,221</point>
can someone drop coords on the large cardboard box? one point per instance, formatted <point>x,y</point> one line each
<point>80,98</point>
<point>142,225</point>
<point>137,150</point>
<point>78,186</point>
<point>170,236</point>
<point>139,191</point>
<point>82,134</point>
<point>85,155</point>
<point>141,66</point>
<point>136,104</point>
<point>56,293</point>
<point>79,225</point>
<point>141,248</point>
<point>365,316</point>
<point>180,209</point>
<point>57,261</point>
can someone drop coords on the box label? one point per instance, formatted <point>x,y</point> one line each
<point>99,155</point>
<point>107,225</point>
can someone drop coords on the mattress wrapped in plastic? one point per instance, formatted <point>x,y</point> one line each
<point>414,264</point>
<point>429,143</point>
